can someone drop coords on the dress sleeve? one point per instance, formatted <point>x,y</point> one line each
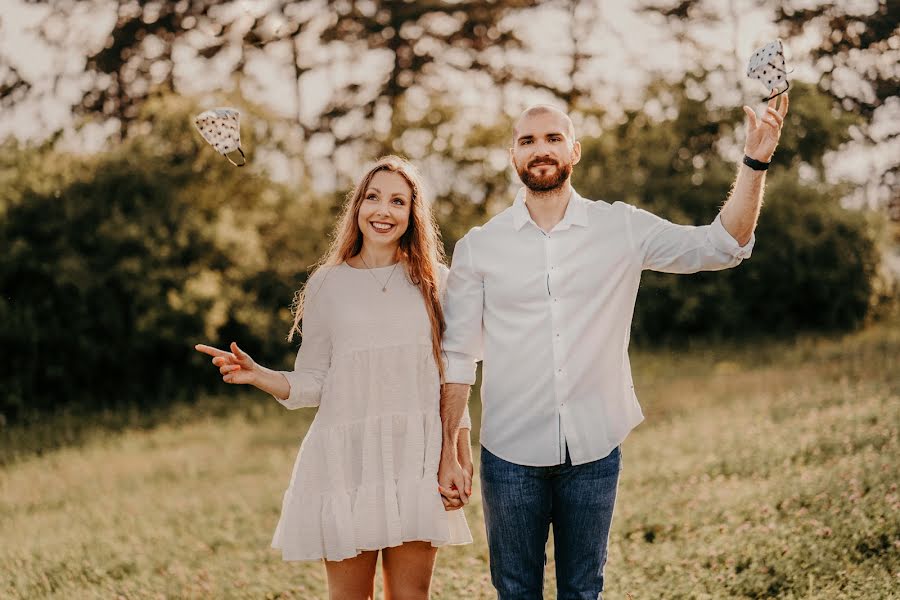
<point>314,356</point>
<point>664,246</point>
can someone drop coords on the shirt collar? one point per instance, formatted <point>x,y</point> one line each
<point>576,211</point>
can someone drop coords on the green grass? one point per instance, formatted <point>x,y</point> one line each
<point>765,471</point>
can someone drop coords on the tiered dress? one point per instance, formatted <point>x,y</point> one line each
<point>366,474</point>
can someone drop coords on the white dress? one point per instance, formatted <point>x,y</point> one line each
<point>366,474</point>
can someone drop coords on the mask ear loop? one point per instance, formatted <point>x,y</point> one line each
<point>243,159</point>
<point>786,88</point>
<point>786,73</point>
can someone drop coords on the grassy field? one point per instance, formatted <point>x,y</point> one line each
<point>767,471</point>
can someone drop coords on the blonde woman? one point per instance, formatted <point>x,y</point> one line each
<point>365,479</point>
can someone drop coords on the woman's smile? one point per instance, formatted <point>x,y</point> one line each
<point>381,226</point>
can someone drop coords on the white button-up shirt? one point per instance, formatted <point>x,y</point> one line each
<point>550,314</point>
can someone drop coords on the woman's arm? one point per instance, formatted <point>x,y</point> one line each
<point>293,389</point>
<point>237,367</point>
<point>273,382</point>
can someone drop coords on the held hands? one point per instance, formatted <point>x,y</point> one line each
<point>455,480</point>
<point>763,133</point>
<point>235,366</point>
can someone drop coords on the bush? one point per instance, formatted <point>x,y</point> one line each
<point>109,280</point>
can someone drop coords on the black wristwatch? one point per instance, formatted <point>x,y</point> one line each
<point>754,164</point>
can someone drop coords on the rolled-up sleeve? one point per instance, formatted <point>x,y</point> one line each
<point>664,246</point>
<point>466,421</point>
<point>463,310</point>
<point>726,243</point>
<point>313,357</point>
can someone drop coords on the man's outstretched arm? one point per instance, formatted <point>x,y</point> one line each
<point>741,211</point>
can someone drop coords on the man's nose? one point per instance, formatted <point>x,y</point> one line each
<point>542,150</point>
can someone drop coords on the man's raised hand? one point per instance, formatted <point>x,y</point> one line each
<point>763,132</point>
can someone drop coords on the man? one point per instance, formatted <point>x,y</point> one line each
<point>545,293</point>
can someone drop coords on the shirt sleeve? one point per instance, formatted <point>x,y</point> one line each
<point>664,246</point>
<point>463,311</point>
<point>466,421</point>
<point>314,356</point>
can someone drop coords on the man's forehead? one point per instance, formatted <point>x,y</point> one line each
<point>541,120</point>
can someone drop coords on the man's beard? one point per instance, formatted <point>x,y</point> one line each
<point>545,183</point>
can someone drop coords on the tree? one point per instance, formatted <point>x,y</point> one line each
<point>422,41</point>
<point>856,54</point>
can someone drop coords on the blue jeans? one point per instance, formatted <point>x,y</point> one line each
<point>520,503</point>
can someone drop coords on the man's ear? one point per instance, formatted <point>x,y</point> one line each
<point>576,152</point>
<point>512,159</point>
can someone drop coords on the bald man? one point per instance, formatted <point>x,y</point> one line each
<point>544,294</point>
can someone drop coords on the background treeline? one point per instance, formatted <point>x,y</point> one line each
<point>114,264</point>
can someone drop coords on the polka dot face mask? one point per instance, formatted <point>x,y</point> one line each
<point>221,128</point>
<point>767,65</point>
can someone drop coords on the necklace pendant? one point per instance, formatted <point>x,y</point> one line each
<point>384,289</point>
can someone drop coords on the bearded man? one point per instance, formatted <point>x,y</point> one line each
<point>544,294</point>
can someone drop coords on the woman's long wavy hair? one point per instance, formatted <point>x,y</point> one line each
<point>421,250</point>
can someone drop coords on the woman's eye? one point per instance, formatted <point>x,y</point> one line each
<point>371,197</point>
<point>398,201</point>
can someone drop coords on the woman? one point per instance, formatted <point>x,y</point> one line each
<point>365,478</point>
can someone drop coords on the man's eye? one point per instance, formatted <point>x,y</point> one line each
<point>525,142</point>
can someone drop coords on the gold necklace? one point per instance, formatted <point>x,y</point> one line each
<point>369,269</point>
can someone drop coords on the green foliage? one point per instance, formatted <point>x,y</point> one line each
<point>109,279</point>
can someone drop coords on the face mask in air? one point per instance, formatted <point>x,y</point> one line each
<point>220,127</point>
<point>767,65</point>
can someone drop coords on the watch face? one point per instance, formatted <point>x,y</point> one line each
<point>767,65</point>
